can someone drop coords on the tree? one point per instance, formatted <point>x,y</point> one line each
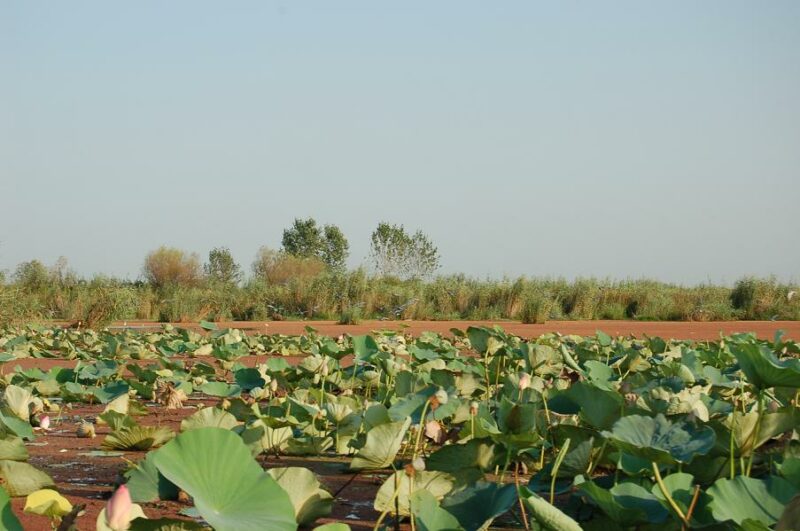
<point>168,266</point>
<point>396,253</point>
<point>306,239</point>
<point>221,267</point>
<point>32,275</point>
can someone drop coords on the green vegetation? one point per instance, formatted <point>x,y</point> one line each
<point>288,287</point>
<point>307,279</point>
<point>477,429</point>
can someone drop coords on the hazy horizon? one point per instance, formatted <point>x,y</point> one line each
<point>630,140</point>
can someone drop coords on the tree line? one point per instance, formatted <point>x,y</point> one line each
<point>307,248</point>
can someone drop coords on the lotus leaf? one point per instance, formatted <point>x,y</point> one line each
<point>627,504</point>
<point>209,417</point>
<point>47,502</point>
<point>310,500</point>
<point>21,479</point>
<point>763,369</point>
<point>436,483</point>
<point>17,400</point>
<point>476,506</point>
<point>429,515</point>
<point>146,484</point>
<point>659,440</point>
<point>8,520</point>
<point>231,491</point>
<point>549,517</point>
<point>744,498</point>
<point>137,438</point>
<point>383,443</point>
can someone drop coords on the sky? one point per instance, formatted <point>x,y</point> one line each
<point>619,139</point>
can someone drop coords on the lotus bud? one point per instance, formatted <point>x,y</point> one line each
<point>118,509</point>
<point>473,408</point>
<point>273,385</point>
<point>316,378</point>
<point>418,463</point>
<point>225,404</point>
<point>326,369</point>
<point>44,423</point>
<point>524,380</point>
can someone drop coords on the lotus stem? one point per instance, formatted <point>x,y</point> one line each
<point>556,466</point>
<point>663,488</point>
<point>519,499</point>
<point>693,503</point>
<point>756,432</point>
<point>386,511</point>
<point>410,512</point>
<point>421,428</point>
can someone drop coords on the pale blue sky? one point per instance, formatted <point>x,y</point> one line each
<point>620,139</point>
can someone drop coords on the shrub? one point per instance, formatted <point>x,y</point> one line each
<point>168,266</point>
<point>280,268</point>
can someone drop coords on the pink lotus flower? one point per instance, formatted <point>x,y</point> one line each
<point>118,509</point>
<point>434,431</point>
<point>524,380</point>
<point>44,423</point>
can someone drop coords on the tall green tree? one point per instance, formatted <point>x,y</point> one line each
<point>306,239</point>
<point>221,267</point>
<point>396,253</point>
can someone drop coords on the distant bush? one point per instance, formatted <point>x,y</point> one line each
<point>276,267</point>
<point>168,266</point>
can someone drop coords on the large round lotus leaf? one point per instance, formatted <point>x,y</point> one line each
<point>437,483</point>
<point>261,438</point>
<point>771,425</point>
<point>383,443</point>
<point>209,417</point>
<point>310,500</point>
<point>482,454</point>
<point>8,520</point>
<point>21,479</point>
<point>549,517</point>
<point>476,506</point>
<point>47,502</point>
<point>147,484</point>
<point>229,488</point>
<point>13,449</point>
<point>598,406</point>
<point>626,504</point>
<point>429,516</point>
<point>17,400</point>
<point>659,440</point>
<point>763,369</point>
<point>743,498</point>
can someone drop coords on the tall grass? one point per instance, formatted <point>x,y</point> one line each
<point>355,295</point>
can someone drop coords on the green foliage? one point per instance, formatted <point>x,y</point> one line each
<point>396,253</point>
<point>306,239</point>
<point>221,267</point>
